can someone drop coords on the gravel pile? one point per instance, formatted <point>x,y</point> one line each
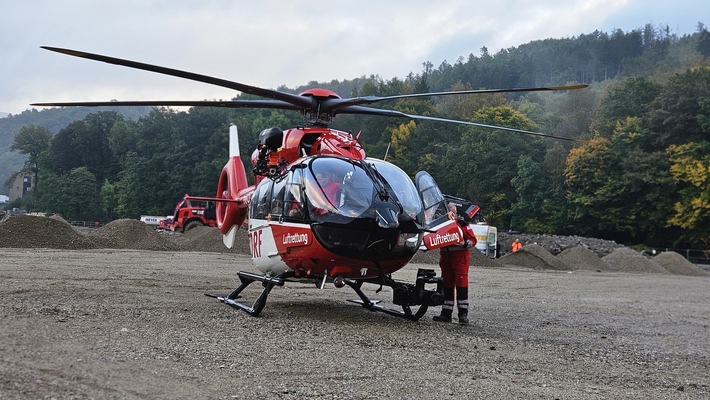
<point>536,257</point>
<point>130,234</point>
<point>29,231</point>
<point>625,259</point>
<point>556,244</point>
<point>581,258</point>
<point>677,264</point>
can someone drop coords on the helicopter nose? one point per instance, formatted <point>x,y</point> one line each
<point>387,216</point>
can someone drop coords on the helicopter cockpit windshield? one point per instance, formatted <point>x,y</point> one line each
<point>336,187</point>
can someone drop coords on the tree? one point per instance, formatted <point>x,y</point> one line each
<point>482,164</point>
<point>400,152</point>
<point>618,190</point>
<point>110,200</point>
<point>53,198</point>
<point>32,141</point>
<point>628,98</point>
<point>529,184</point>
<point>690,168</point>
<point>85,143</point>
<point>680,109</point>
<point>703,44</point>
<point>82,196</point>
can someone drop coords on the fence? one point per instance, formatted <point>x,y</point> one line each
<point>86,224</point>
<point>695,256</point>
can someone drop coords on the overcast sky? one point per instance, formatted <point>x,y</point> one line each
<point>271,43</point>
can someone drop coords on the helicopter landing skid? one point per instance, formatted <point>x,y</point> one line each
<point>404,295</point>
<point>246,279</point>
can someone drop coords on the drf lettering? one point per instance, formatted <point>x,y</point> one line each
<point>255,241</point>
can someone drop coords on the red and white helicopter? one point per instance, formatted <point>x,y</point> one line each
<point>320,211</point>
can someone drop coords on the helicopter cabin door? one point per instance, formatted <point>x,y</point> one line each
<point>264,252</point>
<point>443,230</point>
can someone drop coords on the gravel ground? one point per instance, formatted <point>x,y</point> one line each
<point>134,324</point>
<point>119,312</point>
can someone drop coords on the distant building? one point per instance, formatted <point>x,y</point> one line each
<point>23,183</point>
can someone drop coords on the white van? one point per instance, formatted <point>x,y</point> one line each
<point>486,239</point>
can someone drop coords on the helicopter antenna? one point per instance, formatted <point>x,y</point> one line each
<point>387,151</point>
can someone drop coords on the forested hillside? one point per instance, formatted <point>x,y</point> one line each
<point>52,119</point>
<point>637,172</point>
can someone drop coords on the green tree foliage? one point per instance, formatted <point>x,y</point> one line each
<point>484,162</point>
<point>627,98</point>
<point>85,143</point>
<point>32,141</point>
<point>82,196</point>
<point>679,113</point>
<point>527,213</point>
<point>110,200</point>
<point>617,189</point>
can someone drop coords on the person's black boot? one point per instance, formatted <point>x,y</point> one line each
<point>445,316</point>
<point>463,317</point>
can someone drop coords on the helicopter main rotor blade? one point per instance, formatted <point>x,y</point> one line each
<point>338,104</point>
<point>392,113</point>
<point>276,104</point>
<point>268,93</point>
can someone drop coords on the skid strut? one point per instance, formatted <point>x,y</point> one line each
<point>405,295</point>
<point>247,278</point>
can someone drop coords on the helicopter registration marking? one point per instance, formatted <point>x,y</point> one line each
<point>255,241</point>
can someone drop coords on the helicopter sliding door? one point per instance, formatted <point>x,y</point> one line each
<point>444,230</point>
<point>262,245</point>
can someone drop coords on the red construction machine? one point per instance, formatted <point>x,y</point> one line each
<point>191,212</point>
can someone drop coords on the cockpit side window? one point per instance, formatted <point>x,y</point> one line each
<point>293,196</point>
<point>277,200</point>
<point>261,200</point>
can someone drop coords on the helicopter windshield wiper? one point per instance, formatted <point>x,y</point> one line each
<point>376,179</point>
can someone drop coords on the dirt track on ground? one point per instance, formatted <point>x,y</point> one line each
<point>111,323</point>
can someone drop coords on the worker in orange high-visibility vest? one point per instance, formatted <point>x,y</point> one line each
<point>517,245</point>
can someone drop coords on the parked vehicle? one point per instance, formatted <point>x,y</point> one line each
<point>152,220</point>
<point>486,239</point>
<point>191,212</point>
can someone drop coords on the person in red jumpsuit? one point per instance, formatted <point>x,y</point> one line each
<point>454,262</point>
